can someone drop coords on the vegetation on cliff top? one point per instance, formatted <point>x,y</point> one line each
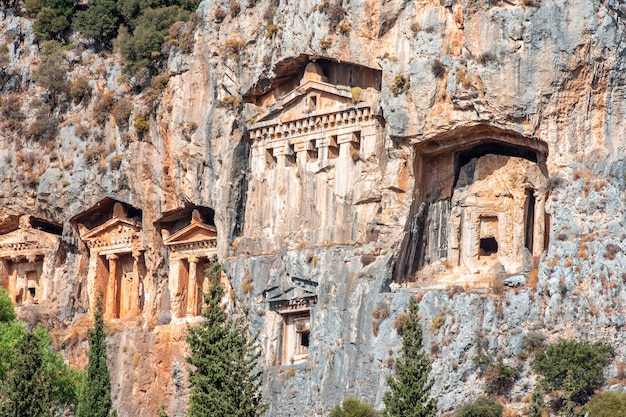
<point>137,27</point>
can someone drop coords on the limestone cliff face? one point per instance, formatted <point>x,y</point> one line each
<point>325,177</point>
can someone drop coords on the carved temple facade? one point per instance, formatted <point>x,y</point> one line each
<point>28,257</point>
<point>192,247</point>
<point>314,123</point>
<point>314,135</point>
<point>112,232</point>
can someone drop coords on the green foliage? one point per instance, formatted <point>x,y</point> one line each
<point>409,389</point>
<point>11,333</point>
<point>224,377</point>
<point>51,73</point>
<point>352,407</point>
<point>50,24</point>
<point>95,393</point>
<point>500,377</point>
<point>7,313</point>
<point>574,368</point>
<point>607,404</point>
<point>53,17</point>
<point>99,21</point>
<point>482,407</point>
<point>38,383</point>
<point>32,7</point>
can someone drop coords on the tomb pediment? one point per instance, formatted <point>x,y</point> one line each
<point>26,242</point>
<point>117,233</point>
<point>23,240</point>
<point>196,235</point>
<point>312,98</point>
<point>293,294</point>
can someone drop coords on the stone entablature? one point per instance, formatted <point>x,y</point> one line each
<point>192,250</point>
<point>116,265</point>
<point>27,260</point>
<point>316,121</point>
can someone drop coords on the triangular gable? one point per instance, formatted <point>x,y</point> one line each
<point>195,232</point>
<point>113,226</point>
<point>294,293</point>
<point>22,240</point>
<point>293,104</point>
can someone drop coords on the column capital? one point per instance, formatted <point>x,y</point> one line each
<point>193,259</point>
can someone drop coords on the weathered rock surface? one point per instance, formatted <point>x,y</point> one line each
<point>545,76</point>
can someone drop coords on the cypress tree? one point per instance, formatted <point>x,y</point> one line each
<point>224,377</point>
<point>409,390</point>
<point>95,394</point>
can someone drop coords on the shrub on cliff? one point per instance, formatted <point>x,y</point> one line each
<point>572,368</point>
<point>352,407</point>
<point>95,393</point>
<point>224,377</point>
<point>409,389</point>
<point>607,404</point>
<point>482,407</point>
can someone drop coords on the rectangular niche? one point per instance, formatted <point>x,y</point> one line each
<point>296,338</point>
<point>488,239</point>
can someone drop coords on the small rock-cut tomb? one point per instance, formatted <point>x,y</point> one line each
<point>28,255</point>
<point>293,302</point>
<point>479,206</point>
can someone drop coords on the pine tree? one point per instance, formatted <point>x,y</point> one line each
<point>95,394</point>
<point>409,394</point>
<point>224,377</point>
<point>38,384</point>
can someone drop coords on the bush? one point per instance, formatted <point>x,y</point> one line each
<point>500,377</point>
<point>351,407</point>
<point>400,85</point>
<point>235,8</point>
<point>51,73</point>
<point>574,368</point>
<point>141,125</point>
<point>438,69</point>
<point>80,89</point>
<point>607,404</point>
<point>121,112</point>
<point>102,108</point>
<point>482,407</point>
<point>143,43</point>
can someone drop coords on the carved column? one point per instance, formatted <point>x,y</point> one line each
<point>540,225</point>
<point>192,288</point>
<point>135,307</point>
<point>13,286</point>
<point>110,310</point>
